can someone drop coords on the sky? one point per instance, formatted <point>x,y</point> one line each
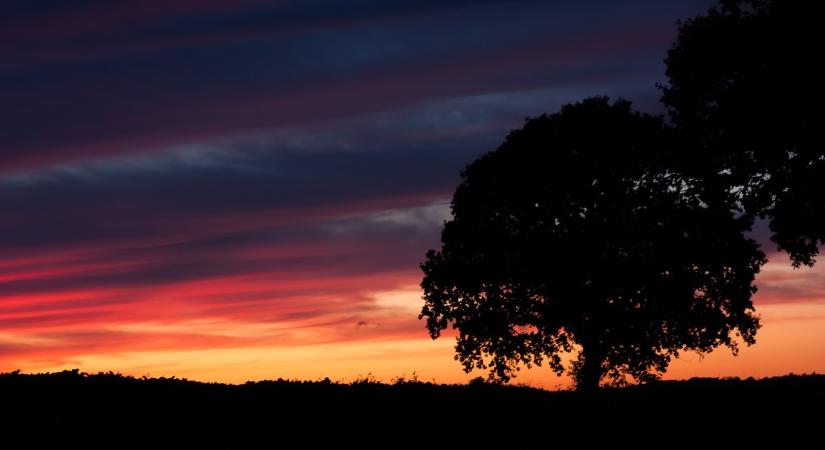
<point>242,190</point>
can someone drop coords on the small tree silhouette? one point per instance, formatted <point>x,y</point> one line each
<point>744,91</point>
<point>574,235</point>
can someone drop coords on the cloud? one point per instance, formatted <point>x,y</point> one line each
<point>183,177</point>
<point>134,103</point>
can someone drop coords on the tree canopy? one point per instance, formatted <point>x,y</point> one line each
<point>745,92</point>
<point>575,235</point>
<point>607,232</point>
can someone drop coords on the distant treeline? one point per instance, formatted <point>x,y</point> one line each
<point>117,411</point>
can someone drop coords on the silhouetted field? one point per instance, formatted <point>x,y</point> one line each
<point>115,411</point>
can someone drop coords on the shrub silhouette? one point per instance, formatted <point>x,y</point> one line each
<point>577,235</point>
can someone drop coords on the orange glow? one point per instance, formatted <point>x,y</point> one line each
<point>295,324</point>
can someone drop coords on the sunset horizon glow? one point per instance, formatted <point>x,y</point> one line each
<point>240,350</point>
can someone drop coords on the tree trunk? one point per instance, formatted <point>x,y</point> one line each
<point>591,371</point>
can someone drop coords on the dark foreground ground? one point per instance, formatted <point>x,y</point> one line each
<point>76,410</point>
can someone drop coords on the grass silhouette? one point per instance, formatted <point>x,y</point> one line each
<point>109,410</point>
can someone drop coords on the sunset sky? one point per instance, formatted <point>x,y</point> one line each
<point>235,190</point>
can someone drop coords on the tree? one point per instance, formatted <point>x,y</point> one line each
<point>575,236</point>
<point>745,93</point>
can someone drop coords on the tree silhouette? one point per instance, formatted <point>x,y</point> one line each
<point>574,235</point>
<point>745,92</point>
